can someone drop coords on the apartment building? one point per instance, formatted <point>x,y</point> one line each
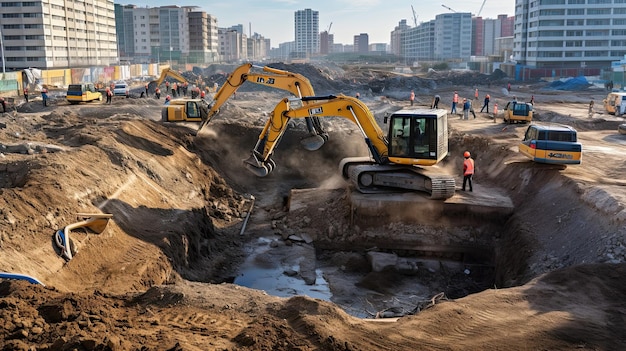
<point>166,33</point>
<point>361,43</point>
<point>486,31</point>
<point>233,44</point>
<point>50,34</point>
<point>447,37</point>
<point>569,33</point>
<point>306,29</point>
<point>453,36</point>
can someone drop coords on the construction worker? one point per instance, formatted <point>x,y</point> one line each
<point>26,94</point>
<point>146,86</point>
<point>4,104</point>
<point>109,94</point>
<point>476,94</point>
<point>435,103</point>
<point>591,103</point>
<point>44,95</point>
<point>167,87</point>
<point>486,103</point>
<point>157,93</point>
<point>468,170</point>
<point>202,94</point>
<point>455,100</point>
<point>167,100</point>
<point>358,96</point>
<point>412,97</point>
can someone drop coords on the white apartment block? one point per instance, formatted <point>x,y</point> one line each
<point>58,34</point>
<point>453,36</point>
<point>233,44</point>
<point>569,33</point>
<point>306,30</point>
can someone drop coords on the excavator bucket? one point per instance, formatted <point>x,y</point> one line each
<point>95,223</point>
<point>313,142</point>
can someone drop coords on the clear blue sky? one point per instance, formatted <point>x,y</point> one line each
<point>274,18</point>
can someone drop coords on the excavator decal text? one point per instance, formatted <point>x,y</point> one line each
<point>316,111</point>
<point>264,81</point>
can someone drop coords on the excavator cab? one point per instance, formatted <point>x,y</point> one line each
<point>417,134</point>
<point>192,110</point>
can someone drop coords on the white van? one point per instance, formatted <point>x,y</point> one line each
<point>615,103</point>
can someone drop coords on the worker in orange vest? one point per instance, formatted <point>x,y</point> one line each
<point>412,97</point>
<point>26,94</point>
<point>455,100</point>
<point>468,170</point>
<point>476,94</point>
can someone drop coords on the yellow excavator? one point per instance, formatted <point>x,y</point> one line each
<point>167,72</point>
<point>416,137</point>
<point>294,83</point>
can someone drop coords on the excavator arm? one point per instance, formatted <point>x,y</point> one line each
<point>382,171</point>
<point>294,83</point>
<point>353,109</point>
<point>167,72</point>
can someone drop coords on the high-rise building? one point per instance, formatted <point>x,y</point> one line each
<point>233,44</point>
<point>306,33</point>
<point>485,32</point>
<point>453,36</point>
<point>166,33</point>
<point>396,45</point>
<point>326,42</point>
<point>361,43</point>
<point>569,34</point>
<point>46,34</point>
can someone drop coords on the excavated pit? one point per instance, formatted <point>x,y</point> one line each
<point>313,235</point>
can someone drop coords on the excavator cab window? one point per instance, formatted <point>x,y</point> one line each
<point>411,136</point>
<point>192,110</point>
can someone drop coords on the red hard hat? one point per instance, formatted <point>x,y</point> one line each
<point>466,154</point>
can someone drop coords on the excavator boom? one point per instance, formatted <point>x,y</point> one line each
<point>294,83</point>
<point>167,72</point>
<point>416,138</point>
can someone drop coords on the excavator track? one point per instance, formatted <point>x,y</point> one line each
<point>373,178</point>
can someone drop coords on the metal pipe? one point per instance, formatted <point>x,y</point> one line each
<point>245,222</point>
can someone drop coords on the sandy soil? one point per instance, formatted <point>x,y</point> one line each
<point>158,277</point>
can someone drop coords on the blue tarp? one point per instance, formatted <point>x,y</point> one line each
<point>578,83</point>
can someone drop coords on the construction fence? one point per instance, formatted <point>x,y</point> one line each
<point>13,83</point>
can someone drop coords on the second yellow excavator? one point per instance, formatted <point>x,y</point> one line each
<point>167,72</point>
<point>416,138</point>
<point>294,83</point>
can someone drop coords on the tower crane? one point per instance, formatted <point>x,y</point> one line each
<point>481,8</point>
<point>448,8</point>
<point>414,16</point>
<point>331,24</point>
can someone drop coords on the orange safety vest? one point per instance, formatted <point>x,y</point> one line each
<point>456,98</point>
<point>468,166</point>
<point>412,96</point>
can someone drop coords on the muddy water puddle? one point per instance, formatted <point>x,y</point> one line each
<point>271,267</point>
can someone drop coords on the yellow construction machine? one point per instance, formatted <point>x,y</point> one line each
<point>167,72</point>
<point>294,83</point>
<point>416,138</point>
